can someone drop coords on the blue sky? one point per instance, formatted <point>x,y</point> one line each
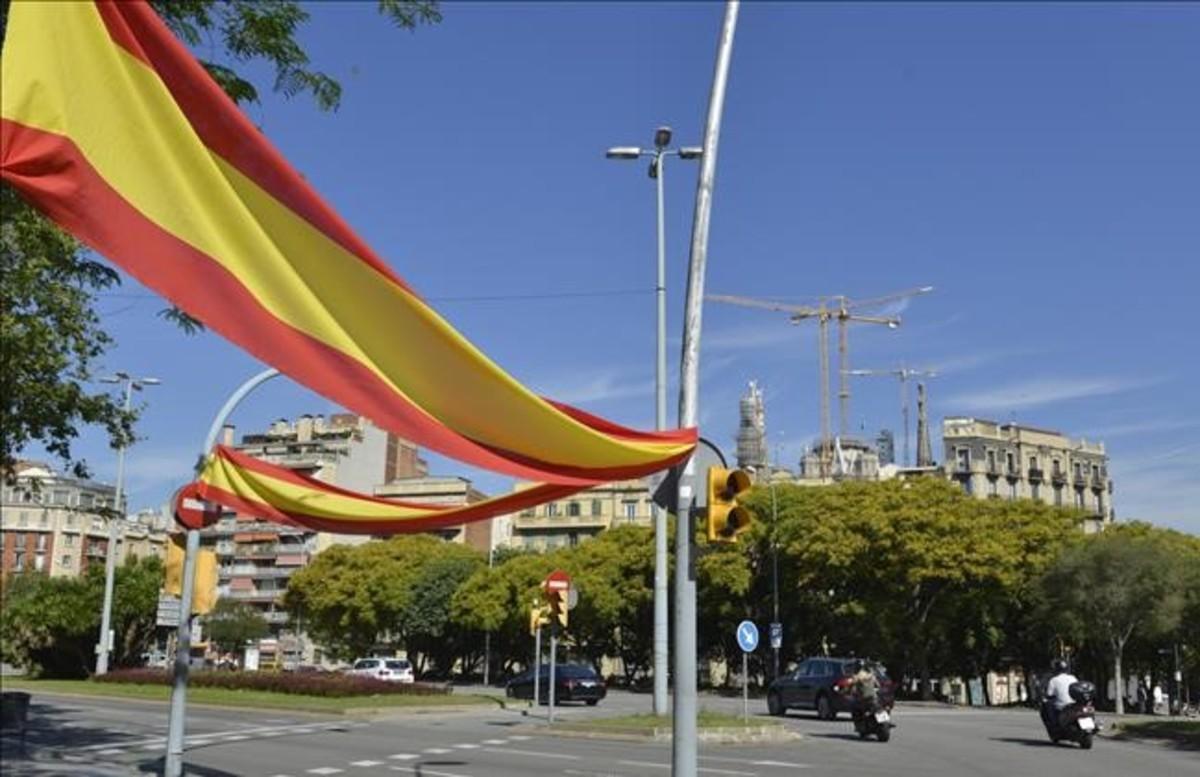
<point>1038,164</point>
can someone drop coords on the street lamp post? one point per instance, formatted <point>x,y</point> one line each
<point>774,556</point>
<point>662,138</point>
<point>104,648</point>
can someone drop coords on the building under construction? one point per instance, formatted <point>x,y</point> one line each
<point>752,431</point>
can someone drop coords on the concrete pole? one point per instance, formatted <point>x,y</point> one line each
<point>110,559</point>
<point>683,744</point>
<point>661,628</point>
<point>173,765</point>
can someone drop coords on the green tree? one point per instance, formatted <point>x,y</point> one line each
<point>50,624</point>
<point>51,338</point>
<point>1125,581</point>
<point>232,624</point>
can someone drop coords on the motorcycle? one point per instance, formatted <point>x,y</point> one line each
<point>873,718</point>
<point>1075,722</point>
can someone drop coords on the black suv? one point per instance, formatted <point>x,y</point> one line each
<point>820,684</point>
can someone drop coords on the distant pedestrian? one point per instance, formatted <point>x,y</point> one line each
<point>1142,696</point>
<point>1159,699</point>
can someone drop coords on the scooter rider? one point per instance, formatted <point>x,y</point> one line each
<point>865,683</point>
<point>1058,690</point>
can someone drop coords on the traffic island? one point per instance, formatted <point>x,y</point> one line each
<point>712,728</point>
<point>1181,734</point>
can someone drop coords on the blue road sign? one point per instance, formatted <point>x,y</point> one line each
<point>776,631</point>
<point>747,636</point>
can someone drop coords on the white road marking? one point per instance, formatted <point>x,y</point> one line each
<point>533,753</point>
<point>403,756</point>
<point>111,751</point>
<point>235,738</point>
<point>324,770</point>
<point>519,737</point>
<point>699,768</point>
<point>199,742</point>
<point>781,764</point>
<point>467,747</point>
<point>366,763</point>
<point>215,734</point>
<point>435,750</point>
<point>495,741</point>
<point>155,746</point>
<point>422,771</point>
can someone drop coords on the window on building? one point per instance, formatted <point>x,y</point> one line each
<point>552,509</point>
<point>1010,461</point>
<point>597,508</point>
<point>71,520</point>
<point>1078,471</point>
<point>1095,472</point>
<point>69,540</point>
<point>630,508</point>
<point>1012,491</point>
<point>1079,499</point>
<point>19,562</point>
<point>59,497</point>
<point>1056,467</point>
<point>573,539</point>
<point>1033,462</point>
<point>22,518</point>
<point>993,488</point>
<point>65,561</point>
<point>1099,504</point>
<point>86,500</point>
<point>18,539</point>
<point>964,459</point>
<point>991,461</point>
<point>1036,489</point>
<point>41,542</point>
<point>573,509</point>
<point>45,520</point>
<point>1058,502</point>
<point>39,562</point>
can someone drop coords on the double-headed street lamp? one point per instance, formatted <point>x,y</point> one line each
<point>114,524</point>
<point>662,138</point>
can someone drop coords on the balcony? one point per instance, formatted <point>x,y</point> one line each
<point>256,573</point>
<point>1012,473</point>
<point>255,596</point>
<point>1058,477</point>
<point>1097,482</point>
<point>1036,475</point>
<point>992,470</point>
<point>561,521</point>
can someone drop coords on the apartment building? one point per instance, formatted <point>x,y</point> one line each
<point>567,522</point>
<point>58,525</point>
<point>429,489</point>
<point>1010,461</point>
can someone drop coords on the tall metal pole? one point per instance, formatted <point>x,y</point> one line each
<point>661,629</point>
<point>173,766</point>
<point>553,656</point>
<point>775,562</point>
<point>110,560</point>
<point>537,666</point>
<point>683,743</point>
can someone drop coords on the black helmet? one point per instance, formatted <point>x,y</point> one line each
<point>1059,665</point>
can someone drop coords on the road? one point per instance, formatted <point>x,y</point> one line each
<point>82,736</point>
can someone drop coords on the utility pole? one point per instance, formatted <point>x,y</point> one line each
<point>683,742</point>
<point>115,520</point>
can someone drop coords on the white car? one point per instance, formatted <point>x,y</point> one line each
<point>396,670</point>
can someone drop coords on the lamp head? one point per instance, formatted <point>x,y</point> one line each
<point>662,136</point>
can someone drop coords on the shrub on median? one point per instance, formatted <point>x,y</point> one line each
<point>308,684</point>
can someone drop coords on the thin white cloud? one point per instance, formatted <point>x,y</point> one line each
<point>1043,391</point>
<point>1143,427</point>
<point>600,386</point>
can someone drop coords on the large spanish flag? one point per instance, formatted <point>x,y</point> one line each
<point>116,132</point>
<point>267,491</point>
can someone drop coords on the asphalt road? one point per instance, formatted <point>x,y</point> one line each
<point>81,736</point>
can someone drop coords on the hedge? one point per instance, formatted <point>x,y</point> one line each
<point>305,683</point>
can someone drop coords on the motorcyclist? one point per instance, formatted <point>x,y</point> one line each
<point>864,684</point>
<point>1058,690</point>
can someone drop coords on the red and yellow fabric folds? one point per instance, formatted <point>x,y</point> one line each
<point>116,132</point>
<point>272,493</point>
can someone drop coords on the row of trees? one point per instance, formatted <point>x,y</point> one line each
<point>931,581</point>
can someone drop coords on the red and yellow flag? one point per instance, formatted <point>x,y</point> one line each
<point>256,488</point>
<point>116,132</point>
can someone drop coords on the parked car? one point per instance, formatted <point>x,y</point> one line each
<point>156,659</point>
<point>572,682</point>
<point>396,670</point>
<point>820,684</point>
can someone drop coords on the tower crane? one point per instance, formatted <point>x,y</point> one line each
<point>844,310</point>
<point>904,374</point>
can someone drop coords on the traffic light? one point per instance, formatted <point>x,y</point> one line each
<point>558,606</point>
<point>726,518</point>
<point>538,617</point>
<point>204,592</point>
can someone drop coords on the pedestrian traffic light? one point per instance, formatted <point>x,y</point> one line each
<point>558,606</point>
<point>726,518</point>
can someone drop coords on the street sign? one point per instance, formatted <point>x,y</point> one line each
<point>572,597</point>
<point>557,580</point>
<point>169,608</point>
<point>776,636</point>
<point>747,636</point>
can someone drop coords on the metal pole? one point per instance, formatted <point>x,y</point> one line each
<point>745,687</point>
<point>661,629</point>
<point>775,565</point>
<point>553,656</point>
<point>537,666</point>
<point>683,742</point>
<point>173,766</point>
<point>487,635</point>
<point>110,559</point>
